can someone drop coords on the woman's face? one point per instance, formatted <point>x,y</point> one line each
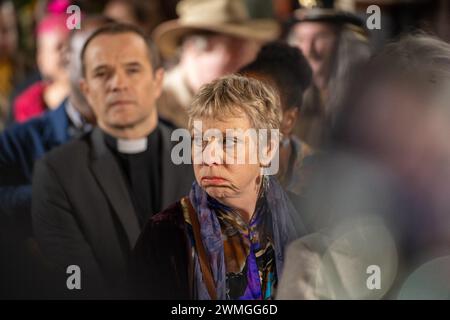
<point>221,170</point>
<point>50,52</point>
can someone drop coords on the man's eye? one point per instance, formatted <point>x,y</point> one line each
<point>99,74</point>
<point>133,70</point>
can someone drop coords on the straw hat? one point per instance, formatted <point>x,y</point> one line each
<point>222,16</point>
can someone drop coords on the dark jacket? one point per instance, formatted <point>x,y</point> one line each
<point>20,146</point>
<point>161,264</point>
<point>82,211</point>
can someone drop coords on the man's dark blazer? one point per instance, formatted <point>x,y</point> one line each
<point>82,212</point>
<point>20,146</point>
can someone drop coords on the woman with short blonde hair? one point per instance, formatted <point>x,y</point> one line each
<point>226,239</point>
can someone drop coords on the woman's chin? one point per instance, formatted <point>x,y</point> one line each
<point>217,192</point>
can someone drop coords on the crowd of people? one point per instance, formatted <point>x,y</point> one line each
<point>341,193</point>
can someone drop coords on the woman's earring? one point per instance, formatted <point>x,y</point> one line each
<point>265,182</point>
<point>284,143</point>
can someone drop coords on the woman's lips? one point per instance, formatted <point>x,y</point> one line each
<point>213,180</point>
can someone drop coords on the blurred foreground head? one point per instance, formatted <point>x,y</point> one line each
<point>400,114</point>
<point>384,205</point>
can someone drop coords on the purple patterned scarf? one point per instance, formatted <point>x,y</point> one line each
<point>287,226</point>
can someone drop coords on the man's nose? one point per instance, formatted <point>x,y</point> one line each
<point>224,53</point>
<point>307,48</point>
<point>119,81</point>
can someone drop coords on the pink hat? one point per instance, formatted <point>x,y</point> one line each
<point>57,6</point>
<point>53,22</point>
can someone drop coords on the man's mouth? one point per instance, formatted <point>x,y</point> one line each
<point>120,103</point>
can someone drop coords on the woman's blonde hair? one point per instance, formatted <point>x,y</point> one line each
<point>230,95</point>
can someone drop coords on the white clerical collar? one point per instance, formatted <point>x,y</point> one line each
<point>131,146</point>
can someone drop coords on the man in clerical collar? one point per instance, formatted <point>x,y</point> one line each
<point>92,196</point>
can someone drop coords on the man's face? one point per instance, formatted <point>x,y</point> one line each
<point>206,58</point>
<point>317,40</point>
<point>8,31</point>
<point>119,83</point>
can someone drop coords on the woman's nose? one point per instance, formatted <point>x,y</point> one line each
<point>213,153</point>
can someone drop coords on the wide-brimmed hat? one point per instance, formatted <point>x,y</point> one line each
<point>222,16</point>
<point>327,15</point>
<point>322,11</point>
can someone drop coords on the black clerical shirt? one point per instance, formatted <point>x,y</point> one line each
<point>143,174</point>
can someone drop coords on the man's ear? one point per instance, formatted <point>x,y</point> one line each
<point>159,79</point>
<point>290,117</point>
<point>84,89</point>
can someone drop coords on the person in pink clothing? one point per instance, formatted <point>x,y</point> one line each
<point>48,93</point>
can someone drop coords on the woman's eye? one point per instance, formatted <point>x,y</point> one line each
<point>230,142</point>
<point>198,142</point>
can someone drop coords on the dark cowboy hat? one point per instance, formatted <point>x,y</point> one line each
<point>324,11</point>
<point>326,15</point>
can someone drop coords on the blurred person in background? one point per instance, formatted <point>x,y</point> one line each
<point>48,93</point>
<point>400,120</point>
<point>335,44</point>
<point>212,38</point>
<point>11,62</point>
<point>144,14</point>
<point>285,68</point>
<point>23,144</point>
<point>381,198</point>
